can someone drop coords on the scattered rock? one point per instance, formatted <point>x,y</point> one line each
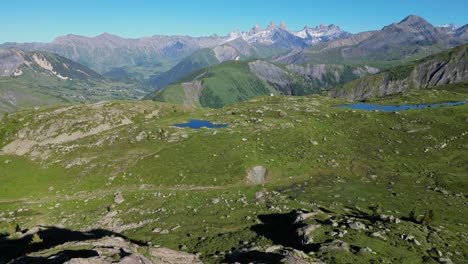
<point>273,248</point>
<point>141,136</point>
<point>257,175</point>
<point>334,245</point>
<point>379,235</point>
<point>445,260</point>
<point>365,250</point>
<point>118,198</point>
<point>410,238</point>
<point>357,226</point>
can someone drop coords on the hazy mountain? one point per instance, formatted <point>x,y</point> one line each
<point>143,57</point>
<point>105,52</point>
<point>440,69</point>
<point>398,43</point>
<point>38,78</point>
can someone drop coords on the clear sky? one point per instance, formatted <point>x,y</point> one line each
<point>43,20</point>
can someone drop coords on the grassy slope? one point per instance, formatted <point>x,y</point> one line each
<point>362,159</point>
<point>199,59</point>
<point>226,83</point>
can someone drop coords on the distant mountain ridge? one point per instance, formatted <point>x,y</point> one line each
<point>160,52</point>
<point>29,79</point>
<point>398,43</point>
<point>444,68</point>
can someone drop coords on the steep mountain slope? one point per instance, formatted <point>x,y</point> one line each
<point>233,50</point>
<point>37,78</point>
<point>443,68</point>
<point>281,37</point>
<point>197,60</point>
<point>398,43</point>
<point>235,81</point>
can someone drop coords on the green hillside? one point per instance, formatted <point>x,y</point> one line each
<point>199,59</point>
<point>223,84</point>
<point>237,81</point>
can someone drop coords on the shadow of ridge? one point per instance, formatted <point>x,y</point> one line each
<point>52,236</point>
<point>58,258</point>
<point>254,257</point>
<point>281,230</point>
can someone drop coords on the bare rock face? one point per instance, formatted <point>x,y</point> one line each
<point>269,72</point>
<point>448,68</point>
<point>257,175</point>
<point>10,60</point>
<point>225,53</point>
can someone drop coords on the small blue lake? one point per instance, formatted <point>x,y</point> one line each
<point>390,108</point>
<point>196,124</point>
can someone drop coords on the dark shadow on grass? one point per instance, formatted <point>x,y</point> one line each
<point>51,236</point>
<point>281,229</point>
<point>59,258</point>
<point>254,257</point>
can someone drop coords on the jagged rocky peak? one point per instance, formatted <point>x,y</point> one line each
<point>256,29</point>
<point>271,26</point>
<point>283,25</point>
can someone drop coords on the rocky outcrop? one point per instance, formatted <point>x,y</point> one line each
<point>335,73</point>
<point>269,72</point>
<point>72,247</point>
<point>10,60</point>
<point>440,69</point>
<point>225,53</point>
<point>257,175</point>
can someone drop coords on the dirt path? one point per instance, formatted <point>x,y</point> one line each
<point>125,189</point>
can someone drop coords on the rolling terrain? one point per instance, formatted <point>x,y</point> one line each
<point>396,194</point>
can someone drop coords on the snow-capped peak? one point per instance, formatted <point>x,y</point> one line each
<point>449,26</point>
<point>283,25</point>
<point>271,26</point>
<point>307,36</point>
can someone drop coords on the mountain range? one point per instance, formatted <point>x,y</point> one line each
<point>149,55</point>
<point>302,62</point>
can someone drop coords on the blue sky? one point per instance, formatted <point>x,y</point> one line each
<point>43,20</point>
